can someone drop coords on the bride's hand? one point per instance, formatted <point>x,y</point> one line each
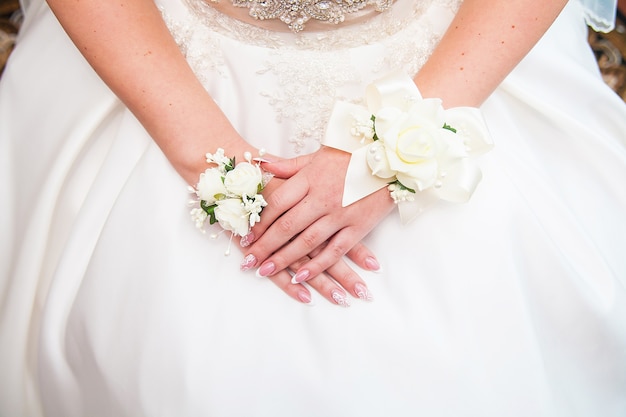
<point>334,284</point>
<point>306,212</point>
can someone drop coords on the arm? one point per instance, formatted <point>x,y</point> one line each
<point>129,46</point>
<point>484,42</point>
<point>150,75</point>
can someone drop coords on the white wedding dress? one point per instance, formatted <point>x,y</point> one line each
<point>113,304</point>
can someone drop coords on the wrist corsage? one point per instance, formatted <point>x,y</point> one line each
<point>419,150</point>
<point>229,194</point>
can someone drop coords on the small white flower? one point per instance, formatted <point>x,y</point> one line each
<point>198,216</point>
<point>399,194</point>
<point>362,126</point>
<point>254,206</point>
<point>218,158</point>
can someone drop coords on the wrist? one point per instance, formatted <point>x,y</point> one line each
<point>189,159</point>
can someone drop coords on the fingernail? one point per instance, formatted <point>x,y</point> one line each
<point>339,298</point>
<point>372,264</point>
<point>300,277</point>
<point>304,296</point>
<point>248,262</point>
<point>246,240</point>
<point>362,292</point>
<point>265,269</point>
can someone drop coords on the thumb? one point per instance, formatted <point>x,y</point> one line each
<point>286,168</point>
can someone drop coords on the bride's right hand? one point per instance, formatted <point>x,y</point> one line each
<point>337,284</point>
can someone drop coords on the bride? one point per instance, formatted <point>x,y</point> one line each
<point>495,285</point>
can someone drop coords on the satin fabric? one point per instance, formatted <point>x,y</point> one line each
<point>112,303</point>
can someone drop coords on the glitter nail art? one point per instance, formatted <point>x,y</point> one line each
<point>362,292</point>
<point>248,262</point>
<point>340,299</point>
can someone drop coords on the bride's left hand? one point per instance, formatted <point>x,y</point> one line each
<point>305,213</point>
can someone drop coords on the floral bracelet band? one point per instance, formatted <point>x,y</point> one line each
<point>229,194</point>
<point>419,150</point>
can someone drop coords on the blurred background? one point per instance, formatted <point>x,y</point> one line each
<point>610,48</point>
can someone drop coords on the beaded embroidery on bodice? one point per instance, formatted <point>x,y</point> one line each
<point>295,13</point>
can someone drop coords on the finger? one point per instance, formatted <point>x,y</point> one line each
<point>345,276</point>
<point>347,239</point>
<point>336,247</point>
<point>276,249</point>
<point>298,292</point>
<point>363,257</point>
<point>296,231</point>
<point>284,197</point>
<point>286,168</point>
<point>288,194</point>
<point>328,288</point>
<point>280,200</point>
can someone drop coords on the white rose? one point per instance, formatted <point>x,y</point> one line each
<point>244,179</point>
<point>413,141</point>
<point>413,155</point>
<point>232,215</point>
<point>210,186</point>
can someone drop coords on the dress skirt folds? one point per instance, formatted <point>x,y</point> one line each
<point>113,304</point>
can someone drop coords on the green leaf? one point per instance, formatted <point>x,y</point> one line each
<point>373,119</point>
<point>209,210</point>
<point>448,127</point>
<point>402,186</point>
<point>230,165</point>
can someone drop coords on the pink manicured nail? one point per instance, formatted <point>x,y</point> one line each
<point>300,277</point>
<point>304,296</point>
<point>372,264</point>
<point>266,269</point>
<point>340,298</point>
<point>248,262</point>
<point>362,292</point>
<point>246,240</point>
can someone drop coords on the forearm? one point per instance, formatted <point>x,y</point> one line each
<point>483,44</point>
<point>130,47</point>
